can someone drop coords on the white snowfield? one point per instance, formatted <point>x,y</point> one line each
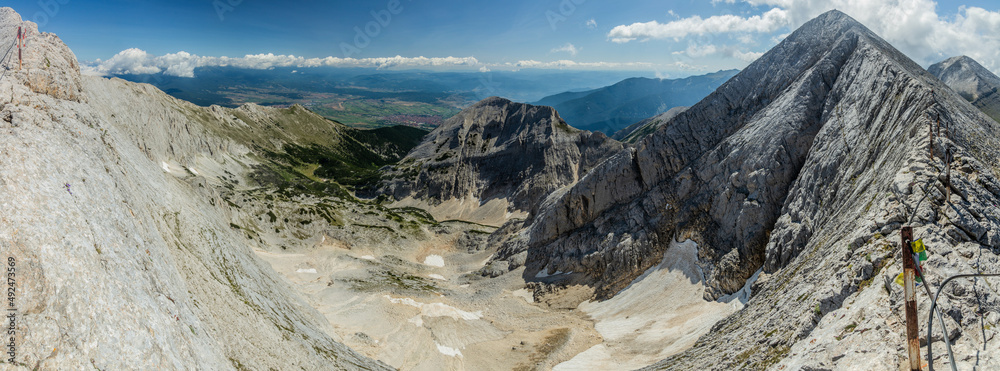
<point>659,314</point>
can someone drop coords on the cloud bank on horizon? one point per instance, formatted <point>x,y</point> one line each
<point>720,35</point>
<point>913,26</point>
<point>136,61</point>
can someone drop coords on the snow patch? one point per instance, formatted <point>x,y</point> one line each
<point>524,294</point>
<point>166,168</point>
<point>437,276</point>
<point>659,314</point>
<point>452,352</point>
<point>437,309</point>
<point>193,171</point>
<point>434,261</point>
<point>367,257</point>
<point>544,273</point>
<point>740,298</point>
<point>306,270</point>
<point>486,261</point>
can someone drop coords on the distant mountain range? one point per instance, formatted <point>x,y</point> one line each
<point>370,98</point>
<point>612,108</point>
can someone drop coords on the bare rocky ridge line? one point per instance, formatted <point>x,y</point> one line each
<point>866,174</point>
<point>128,258</point>
<point>972,81</point>
<point>793,167</point>
<point>497,149</point>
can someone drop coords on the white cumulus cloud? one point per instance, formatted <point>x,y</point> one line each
<point>696,51</point>
<point>591,24</point>
<point>695,25</point>
<point>568,48</point>
<point>916,27</point>
<point>183,64</point>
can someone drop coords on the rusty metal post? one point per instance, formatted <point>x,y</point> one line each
<point>20,43</point>
<point>947,174</point>
<point>909,290</point>
<point>931,145</point>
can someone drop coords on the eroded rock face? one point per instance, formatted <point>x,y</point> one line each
<point>126,258</point>
<point>972,81</point>
<point>498,149</point>
<point>966,76</point>
<point>48,65</point>
<point>825,298</point>
<point>752,171</point>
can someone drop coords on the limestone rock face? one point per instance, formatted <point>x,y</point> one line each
<point>125,257</point>
<point>498,149</point>
<point>966,76</point>
<point>48,65</point>
<point>972,81</point>
<point>830,250</point>
<point>758,172</point>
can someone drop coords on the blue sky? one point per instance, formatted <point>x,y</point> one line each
<point>672,38</point>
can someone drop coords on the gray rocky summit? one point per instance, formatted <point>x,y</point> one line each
<point>498,149</point>
<point>138,221</point>
<point>803,166</point>
<point>966,76</point>
<point>972,81</point>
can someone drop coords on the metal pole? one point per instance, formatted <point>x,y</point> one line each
<point>20,37</point>
<point>912,326</point>
<point>930,320</point>
<point>931,145</point>
<point>947,174</point>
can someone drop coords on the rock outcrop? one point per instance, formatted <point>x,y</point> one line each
<point>47,65</point>
<point>497,150</point>
<point>972,81</point>
<point>126,256</point>
<point>757,171</point>
<point>803,168</point>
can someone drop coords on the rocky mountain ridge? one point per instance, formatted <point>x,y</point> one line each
<point>497,151</point>
<point>972,81</point>
<point>790,183</point>
<point>116,201</point>
<point>794,168</point>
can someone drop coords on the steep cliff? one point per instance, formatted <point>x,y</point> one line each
<point>799,166</point>
<point>496,151</point>
<point>972,81</point>
<point>125,250</point>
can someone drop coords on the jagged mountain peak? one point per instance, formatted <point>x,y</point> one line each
<point>496,150</point>
<point>966,76</point>
<point>504,112</point>
<point>810,151</point>
<point>492,101</point>
<point>795,157</point>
